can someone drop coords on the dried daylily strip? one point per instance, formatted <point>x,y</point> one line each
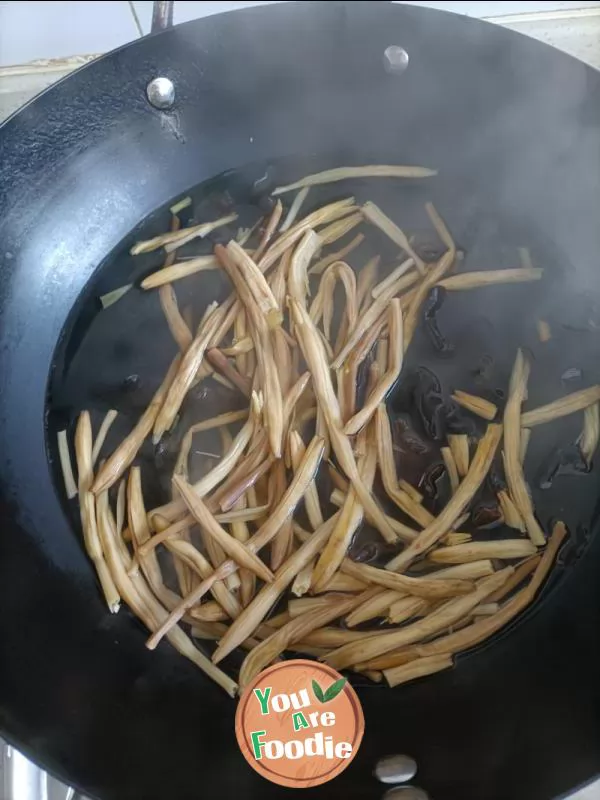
<point>405,608</point>
<point>510,512</point>
<point>459,446</point>
<point>294,209</point>
<point>221,363</point>
<point>475,551</point>
<point>236,550</point>
<point>194,558</point>
<point>345,583</point>
<point>469,571</point>
<point>121,509</point>
<point>417,669</point>
<point>339,228</point>
<point>376,216</point>
<point>440,226</point>
<point>190,364</point>
<point>544,330</point>
<point>588,441</point>
<point>577,401</point>
<point>433,276</point>
<point>366,321</point>
<point>185,202</point>
<point>485,609</point>
<point>262,537</point>
<point>484,455</point>
<point>430,586</point>
<point>303,579</point>
<point>321,216</point>
<point>301,605</point>
<point>186,444</point>
<point>322,305</point>
<point>254,281</point>
<point>254,614</point>
<point>348,522</point>
<point>373,606</point>
<point>367,278</point>
<point>177,325</point>
<point>402,270</point>
<point>182,269</point>
<point>282,543</point>
<point>387,467</point>
<point>263,347</point>
<point>291,632</point>
<point>174,239</point>
<point>269,230</point>
<point>517,392</point>
<point>140,533</point>
<point>435,585</point>
<point>525,437</point>
<point>440,619</point>
<point>351,173</point>
<point>478,405</point>
<point>116,464</point>
<point>312,350</point>
<point>87,506</point>
<point>487,626</point>
<point>105,426</point>
<point>388,379</point>
<point>110,298</point>
<point>65,465</point>
<point>474,280</point>
<point>241,532</point>
<point>321,265</point>
<point>451,468</point>
<point>139,598</point>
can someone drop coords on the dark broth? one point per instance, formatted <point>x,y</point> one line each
<point>116,358</point>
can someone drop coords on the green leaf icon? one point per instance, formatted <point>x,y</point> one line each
<point>318,692</point>
<point>334,690</point>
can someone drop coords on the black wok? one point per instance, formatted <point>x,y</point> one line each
<point>514,128</point>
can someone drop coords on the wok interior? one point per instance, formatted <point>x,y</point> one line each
<point>116,357</point>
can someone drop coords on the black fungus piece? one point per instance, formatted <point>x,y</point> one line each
<point>429,402</point>
<point>484,370</point>
<point>366,553</point>
<point>223,202</point>
<point>401,397</point>
<point>367,547</point>
<point>431,482</point>
<point>561,461</point>
<point>428,246</point>
<point>222,235</point>
<point>486,515</point>
<point>458,420</point>
<point>573,548</point>
<point>132,383</point>
<point>406,438</point>
<point>432,305</point>
<point>495,479</point>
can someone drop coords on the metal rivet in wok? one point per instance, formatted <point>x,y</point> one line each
<point>395,769</point>
<point>405,793</point>
<point>161,93</point>
<point>395,59</point>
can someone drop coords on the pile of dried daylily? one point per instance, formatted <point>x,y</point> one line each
<point>235,538</point>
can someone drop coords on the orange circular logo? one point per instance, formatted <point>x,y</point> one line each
<point>299,723</point>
